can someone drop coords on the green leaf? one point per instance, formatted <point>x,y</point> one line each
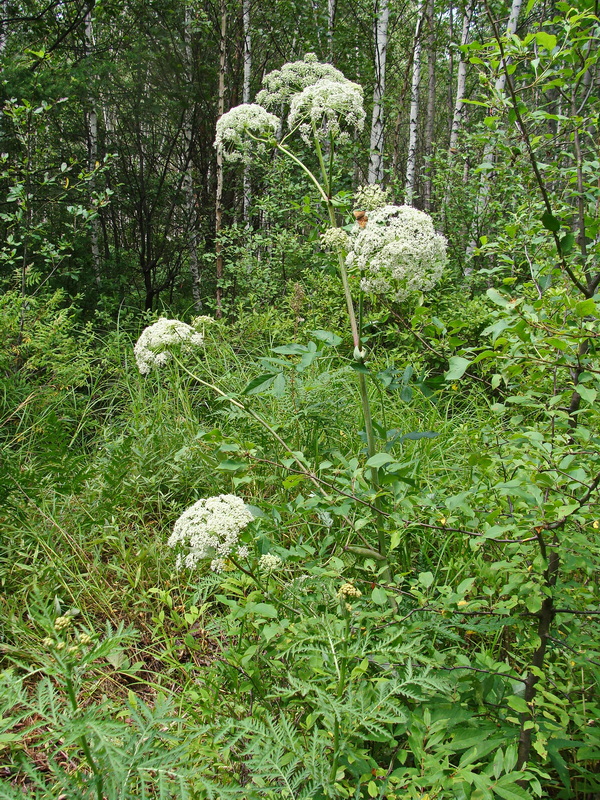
<point>508,789</point>
<point>546,40</point>
<point>329,338</point>
<point>230,465</point>
<point>518,704</point>
<point>458,365</point>
<point>379,459</point>
<point>379,596</point>
<point>290,349</point>
<point>426,579</point>
<point>589,395</point>
<point>260,383</point>
<point>550,222</point>
<point>497,298</point>
<point>566,244</point>
<point>585,307</point>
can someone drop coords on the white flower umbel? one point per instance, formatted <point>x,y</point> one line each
<point>155,346</point>
<point>269,562</point>
<point>238,129</point>
<point>398,252</point>
<point>211,529</point>
<point>282,84</point>
<point>370,197</point>
<point>335,239</point>
<point>328,105</point>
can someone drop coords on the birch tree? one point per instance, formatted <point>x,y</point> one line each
<point>488,153</point>
<point>91,120</point>
<point>430,118</point>
<point>413,122</point>
<point>188,182</point>
<point>219,192</point>
<point>375,174</point>
<point>246,192</point>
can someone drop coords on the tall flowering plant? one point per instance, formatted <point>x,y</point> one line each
<point>395,249</point>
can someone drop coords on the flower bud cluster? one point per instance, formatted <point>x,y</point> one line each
<point>210,529</point>
<point>370,197</point>
<point>324,106</point>
<point>335,239</point>
<point>347,590</point>
<point>269,562</point>
<point>238,129</point>
<point>281,85</point>
<point>398,251</point>
<point>154,347</point>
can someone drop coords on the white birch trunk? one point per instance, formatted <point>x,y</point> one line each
<point>92,130</point>
<point>219,192</point>
<point>247,190</point>
<point>430,119</point>
<point>488,153</point>
<point>188,179</point>
<point>461,80</point>
<point>331,9</point>
<point>375,174</point>
<point>413,122</point>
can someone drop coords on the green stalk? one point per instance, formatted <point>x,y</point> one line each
<point>358,352</point>
<point>341,688</point>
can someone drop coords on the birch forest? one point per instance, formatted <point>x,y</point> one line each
<point>299,424</point>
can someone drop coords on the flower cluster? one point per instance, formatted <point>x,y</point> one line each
<point>347,590</point>
<point>325,105</point>
<point>282,84</point>
<point>210,529</point>
<point>334,239</point>
<point>154,347</point>
<point>269,562</point>
<point>398,251</point>
<point>370,197</point>
<point>238,129</point>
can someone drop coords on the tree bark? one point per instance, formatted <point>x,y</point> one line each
<point>430,120</point>
<point>188,180</point>
<point>219,192</point>
<point>483,193</point>
<point>247,189</point>
<point>413,123</point>
<point>375,174</point>
<point>91,119</point>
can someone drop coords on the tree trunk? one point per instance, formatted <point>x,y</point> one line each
<point>375,174</point>
<point>429,123</point>
<point>413,123</point>
<point>91,119</point>
<point>461,80</point>
<point>331,9</point>
<point>247,189</point>
<point>483,193</point>
<point>459,104</point>
<point>219,193</point>
<point>188,180</point>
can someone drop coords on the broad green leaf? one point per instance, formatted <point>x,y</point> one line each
<point>260,383</point>
<point>550,222</point>
<point>518,704</point>
<point>585,307</point>
<point>290,349</point>
<point>508,789</point>
<point>589,395</point>
<point>329,338</point>
<point>379,459</point>
<point>458,365</point>
<point>379,596</point>
<point>546,40</point>
<point>497,298</point>
<point>566,244</point>
<point>426,579</point>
